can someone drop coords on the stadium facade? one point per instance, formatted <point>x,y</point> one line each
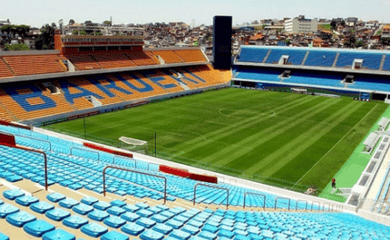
<point>152,198</point>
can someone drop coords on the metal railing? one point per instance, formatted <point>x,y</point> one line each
<point>129,170</point>
<point>37,151</point>
<point>36,139</point>
<point>312,204</point>
<point>276,202</point>
<point>202,184</point>
<point>71,151</point>
<point>296,205</point>
<point>258,194</point>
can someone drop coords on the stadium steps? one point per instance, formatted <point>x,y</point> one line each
<point>336,59</point>
<point>382,62</point>
<point>7,114</point>
<point>194,55</point>
<point>5,69</point>
<point>83,62</point>
<point>169,56</point>
<point>304,59</point>
<point>266,56</point>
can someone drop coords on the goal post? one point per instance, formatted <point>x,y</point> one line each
<point>134,145</point>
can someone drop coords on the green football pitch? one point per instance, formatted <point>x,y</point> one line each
<point>283,139</point>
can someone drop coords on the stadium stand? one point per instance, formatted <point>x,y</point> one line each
<point>371,83</point>
<point>250,73</point>
<point>370,60</point>
<point>250,54</point>
<point>34,64</point>
<point>140,58</point>
<point>320,58</point>
<point>83,62</point>
<point>313,78</point>
<point>191,55</point>
<point>113,60</point>
<point>169,56</point>
<point>295,56</point>
<point>135,209</point>
<point>5,71</point>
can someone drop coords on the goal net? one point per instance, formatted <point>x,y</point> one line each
<point>134,145</point>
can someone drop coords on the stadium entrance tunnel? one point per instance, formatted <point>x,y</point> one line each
<point>379,96</point>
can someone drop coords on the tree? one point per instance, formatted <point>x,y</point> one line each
<point>88,23</point>
<point>45,41</point>
<point>82,32</point>
<point>107,22</point>
<point>71,22</point>
<point>333,24</point>
<point>360,44</point>
<point>54,25</point>
<point>385,41</point>
<point>342,23</point>
<point>16,47</point>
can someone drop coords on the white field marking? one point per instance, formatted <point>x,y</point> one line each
<point>197,134</point>
<point>219,123</point>
<point>335,145</point>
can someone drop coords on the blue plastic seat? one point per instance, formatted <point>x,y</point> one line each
<point>162,228</point>
<point>75,221</point>
<point>207,235</point>
<point>55,197</point>
<point>102,205</point>
<point>114,235</point>
<point>98,215</point>
<point>131,208</point>
<point>181,235</point>
<point>11,194</point>
<point>94,229</point>
<point>13,178</point>
<point>175,224</point>
<point>142,205</point>
<point>68,203</point>
<point>89,200</point>
<point>145,213</point>
<point>57,214</point>
<point>3,236</point>
<point>18,219</point>
<point>146,222</point>
<point>132,229</point>
<point>151,235</point>
<point>26,200</point>
<point>190,229</point>
<point>6,209</point>
<point>38,227</point>
<point>82,209</point>
<point>41,207</point>
<point>117,211</point>
<point>118,203</point>
<point>131,217</point>
<point>114,222</point>
<point>58,234</point>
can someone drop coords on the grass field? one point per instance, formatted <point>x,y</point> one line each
<point>283,139</point>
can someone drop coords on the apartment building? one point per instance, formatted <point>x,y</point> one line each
<point>300,25</point>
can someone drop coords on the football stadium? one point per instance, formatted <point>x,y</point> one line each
<point>104,139</point>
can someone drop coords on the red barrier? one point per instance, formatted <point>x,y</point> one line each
<point>8,123</point>
<point>100,148</point>
<point>174,171</point>
<point>7,139</point>
<point>203,178</point>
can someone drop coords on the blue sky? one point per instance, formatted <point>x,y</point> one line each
<point>37,13</point>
